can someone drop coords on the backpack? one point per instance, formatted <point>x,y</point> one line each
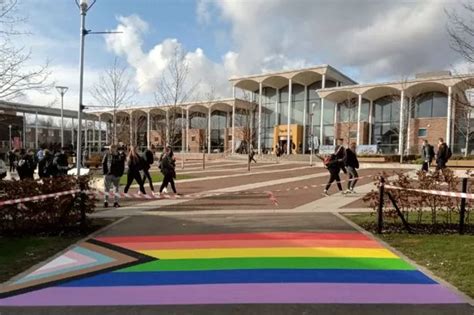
<point>149,157</point>
<point>449,153</point>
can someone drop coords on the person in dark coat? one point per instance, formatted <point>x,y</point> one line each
<point>135,165</point>
<point>334,168</point>
<point>428,154</point>
<point>45,165</point>
<point>61,163</point>
<point>252,156</point>
<point>352,164</point>
<point>167,167</point>
<point>12,160</point>
<point>340,152</point>
<point>443,154</point>
<point>27,165</point>
<point>148,160</point>
<point>113,166</point>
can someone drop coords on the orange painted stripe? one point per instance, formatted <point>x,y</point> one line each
<point>250,244</point>
<point>236,236</point>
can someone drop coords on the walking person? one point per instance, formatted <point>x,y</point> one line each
<point>135,165</point>
<point>352,164</point>
<point>149,158</point>
<point>113,166</point>
<point>443,155</point>
<point>252,156</point>
<point>340,152</point>
<point>428,155</point>
<point>167,167</point>
<point>334,167</point>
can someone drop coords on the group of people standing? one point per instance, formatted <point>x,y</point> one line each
<point>113,166</point>
<point>49,164</point>
<point>345,160</point>
<point>441,157</point>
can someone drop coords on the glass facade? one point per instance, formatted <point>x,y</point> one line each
<point>385,130</point>
<point>432,104</point>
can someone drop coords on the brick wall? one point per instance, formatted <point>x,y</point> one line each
<point>435,128</point>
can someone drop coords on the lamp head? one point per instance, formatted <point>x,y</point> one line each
<point>84,5</point>
<point>62,89</point>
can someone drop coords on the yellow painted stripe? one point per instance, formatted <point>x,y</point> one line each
<point>270,252</point>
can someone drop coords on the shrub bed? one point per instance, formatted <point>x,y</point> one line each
<point>427,213</point>
<point>51,215</point>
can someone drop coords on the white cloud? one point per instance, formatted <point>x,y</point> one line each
<point>378,38</point>
<point>150,65</point>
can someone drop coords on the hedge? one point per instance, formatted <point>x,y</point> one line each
<point>51,215</point>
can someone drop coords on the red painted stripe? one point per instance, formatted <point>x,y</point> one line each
<point>237,236</point>
<point>250,244</point>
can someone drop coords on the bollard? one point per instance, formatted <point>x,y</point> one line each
<point>380,209</point>
<point>204,160</point>
<point>182,161</point>
<point>462,210</point>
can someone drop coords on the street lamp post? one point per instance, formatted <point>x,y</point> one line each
<point>62,90</point>
<point>10,136</point>
<point>312,135</point>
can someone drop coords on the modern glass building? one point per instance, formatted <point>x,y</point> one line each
<point>300,109</point>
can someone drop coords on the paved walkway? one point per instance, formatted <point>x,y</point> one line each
<point>230,264</point>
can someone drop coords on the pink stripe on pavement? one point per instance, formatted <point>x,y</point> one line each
<point>310,293</point>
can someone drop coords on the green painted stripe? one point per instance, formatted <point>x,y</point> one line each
<point>271,263</point>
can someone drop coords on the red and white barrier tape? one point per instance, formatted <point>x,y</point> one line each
<point>434,192</point>
<point>39,197</point>
<point>270,194</point>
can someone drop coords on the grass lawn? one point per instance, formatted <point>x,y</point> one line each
<point>17,254</point>
<point>450,257</point>
<point>20,253</point>
<point>155,176</point>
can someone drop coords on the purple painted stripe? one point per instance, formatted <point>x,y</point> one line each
<point>238,294</point>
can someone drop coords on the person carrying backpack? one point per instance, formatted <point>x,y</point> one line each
<point>148,160</point>
<point>334,167</point>
<point>443,155</point>
<point>428,155</point>
<point>167,167</point>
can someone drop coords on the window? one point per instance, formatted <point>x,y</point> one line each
<point>352,134</point>
<point>431,104</point>
<point>229,137</point>
<point>422,132</point>
<point>193,138</point>
<point>157,139</point>
<point>348,110</point>
<point>50,133</point>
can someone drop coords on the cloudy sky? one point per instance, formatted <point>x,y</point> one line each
<point>370,40</point>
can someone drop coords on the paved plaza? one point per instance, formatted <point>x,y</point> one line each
<point>226,248</point>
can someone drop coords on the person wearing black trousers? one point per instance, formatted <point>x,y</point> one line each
<point>135,164</point>
<point>352,164</point>
<point>148,162</point>
<point>167,167</point>
<point>334,167</point>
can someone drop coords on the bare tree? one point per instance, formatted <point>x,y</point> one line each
<point>16,77</point>
<point>461,34</point>
<point>114,90</point>
<point>174,89</point>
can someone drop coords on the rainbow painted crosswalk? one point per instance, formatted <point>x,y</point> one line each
<point>248,268</point>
